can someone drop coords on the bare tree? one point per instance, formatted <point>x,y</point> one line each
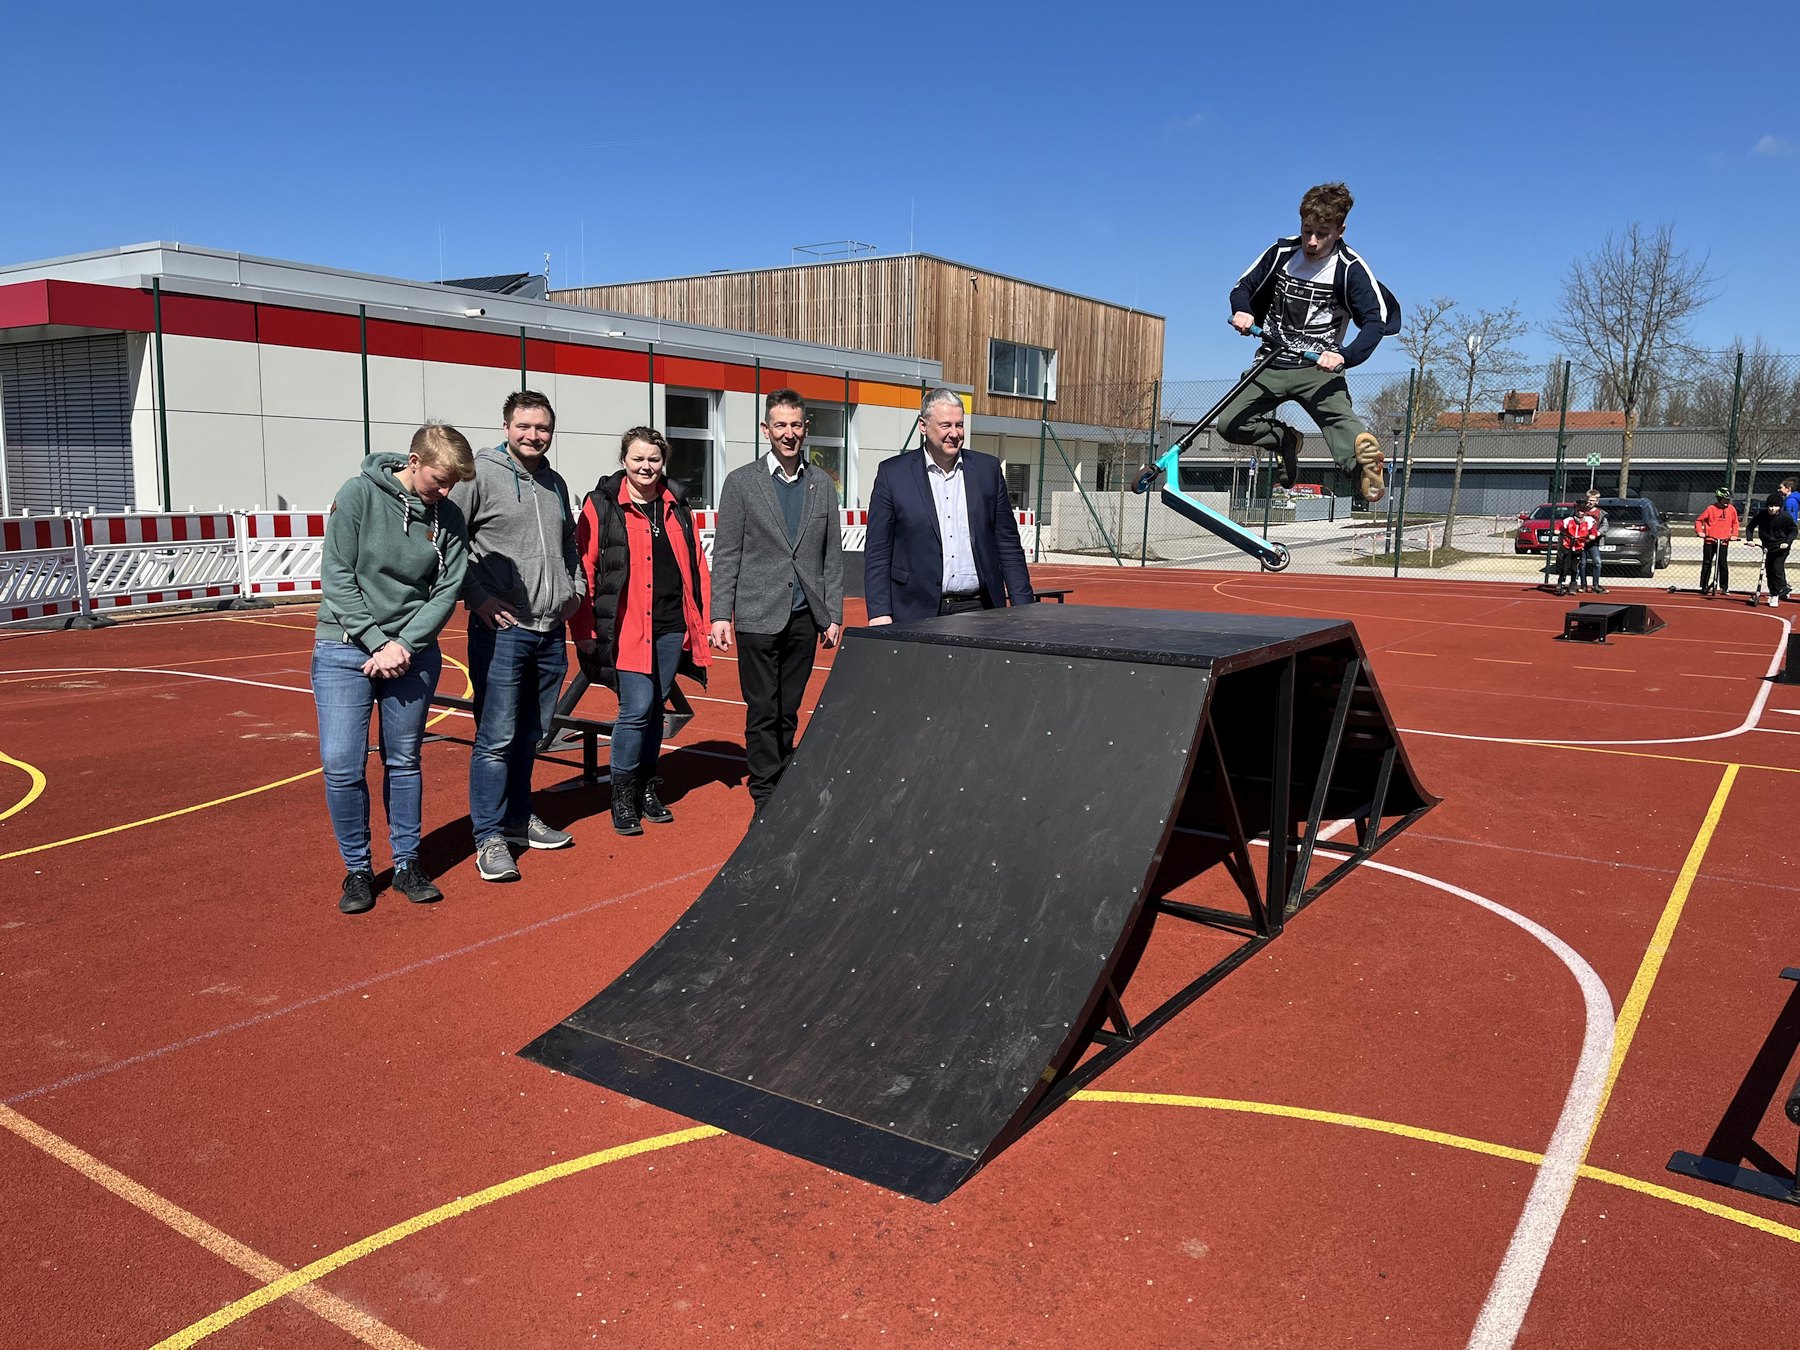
<point>1481,345</point>
<point>1625,312</point>
<point>1767,403</point>
<point>1550,398</point>
<point>1424,339</point>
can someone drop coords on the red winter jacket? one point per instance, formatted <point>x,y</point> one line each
<point>1717,522</point>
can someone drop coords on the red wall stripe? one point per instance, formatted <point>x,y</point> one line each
<point>83,304</point>
<point>315,329</point>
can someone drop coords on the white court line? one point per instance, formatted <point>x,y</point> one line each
<point>1503,1310</point>
<point>1748,724</point>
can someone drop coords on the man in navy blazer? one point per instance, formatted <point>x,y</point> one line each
<point>942,537</point>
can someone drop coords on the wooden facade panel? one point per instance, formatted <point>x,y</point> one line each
<point>918,305</point>
<point>1107,355</point>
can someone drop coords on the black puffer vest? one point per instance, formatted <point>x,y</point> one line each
<point>612,572</point>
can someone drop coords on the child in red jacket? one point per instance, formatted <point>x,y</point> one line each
<point>1717,526</point>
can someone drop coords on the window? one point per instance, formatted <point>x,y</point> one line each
<point>826,442</point>
<point>1020,371</point>
<point>688,423</point>
<point>1018,486</point>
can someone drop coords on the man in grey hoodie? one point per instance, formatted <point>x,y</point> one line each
<point>524,580</point>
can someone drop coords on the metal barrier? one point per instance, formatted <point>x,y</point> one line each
<point>39,575</point>
<point>79,568</point>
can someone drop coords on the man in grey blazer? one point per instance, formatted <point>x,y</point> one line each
<point>777,583</point>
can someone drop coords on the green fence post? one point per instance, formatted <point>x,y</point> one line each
<point>1093,515</point>
<point>756,445</point>
<point>1737,397</point>
<point>651,387</point>
<point>1150,452</point>
<point>362,325</point>
<point>1558,478</point>
<point>524,379</point>
<point>1412,386</point>
<point>162,394</point>
<point>1037,534</point>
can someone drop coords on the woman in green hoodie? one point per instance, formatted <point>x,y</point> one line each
<point>395,552</point>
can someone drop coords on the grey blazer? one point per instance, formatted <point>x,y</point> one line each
<point>754,565</point>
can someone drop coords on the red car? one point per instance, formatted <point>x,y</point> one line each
<point>1538,528</point>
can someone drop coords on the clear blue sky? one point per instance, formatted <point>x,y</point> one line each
<point>1142,153</point>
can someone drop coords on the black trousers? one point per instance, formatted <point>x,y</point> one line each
<point>1708,548</point>
<point>1775,564</point>
<point>772,671</point>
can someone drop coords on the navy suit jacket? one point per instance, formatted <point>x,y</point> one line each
<point>903,557</point>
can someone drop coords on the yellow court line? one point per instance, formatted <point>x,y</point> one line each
<point>37,784</point>
<point>306,1275</point>
<point>1631,1012</point>
<point>216,801</point>
<point>1670,759</point>
<point>247,1259</point>
<point>1481,1146</point>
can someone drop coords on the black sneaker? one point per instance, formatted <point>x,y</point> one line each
<point>410,880</point>
<point>1289,450</point>
<point>359,892</point>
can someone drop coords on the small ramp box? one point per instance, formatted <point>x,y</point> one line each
<point>920,945</point>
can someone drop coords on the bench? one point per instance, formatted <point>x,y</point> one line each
<point>677,713</point>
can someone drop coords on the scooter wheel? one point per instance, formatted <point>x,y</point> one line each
<point>1282,559</point>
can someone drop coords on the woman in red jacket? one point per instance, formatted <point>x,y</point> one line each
<point>1717,526</point>
<point>649,590</point>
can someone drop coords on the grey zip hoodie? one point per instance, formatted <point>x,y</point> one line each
<point>521,539</point>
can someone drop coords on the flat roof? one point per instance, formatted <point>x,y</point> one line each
<point>193,270</point>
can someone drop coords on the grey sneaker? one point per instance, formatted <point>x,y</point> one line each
<point>535,834</point>
<point>495,861</point>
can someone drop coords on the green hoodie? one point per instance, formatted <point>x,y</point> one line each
<point>392,566</point>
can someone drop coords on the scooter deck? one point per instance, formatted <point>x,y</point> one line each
<point>1274,557</point>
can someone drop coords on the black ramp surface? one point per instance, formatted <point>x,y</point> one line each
<point>914,930</point>
<point>910,949</point>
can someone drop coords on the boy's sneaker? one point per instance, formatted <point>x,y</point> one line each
<point>359,892</point>
<point>495,861</point>
<point>1371,482</point>
<point>410,880</point>
<point>535,834</point>
<point>1289,450</point>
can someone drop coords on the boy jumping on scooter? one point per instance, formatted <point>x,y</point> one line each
<point>1305,291</point>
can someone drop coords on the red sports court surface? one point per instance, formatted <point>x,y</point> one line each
<point>1437,1112</point>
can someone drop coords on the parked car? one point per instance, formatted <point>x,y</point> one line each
<point>1537,529</point>
<point>1637,539</point>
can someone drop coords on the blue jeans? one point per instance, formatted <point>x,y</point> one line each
<point>637,734</point>
<point>517,675</point>
<point>1590,564</point>
<point>345,697</point>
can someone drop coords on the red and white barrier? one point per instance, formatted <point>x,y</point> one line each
<point>38,575</point>
<point>79,566</point>
<point>283,553</point>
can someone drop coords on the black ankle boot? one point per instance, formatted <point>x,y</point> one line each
<point>626,803</point>
<point>652,806</point>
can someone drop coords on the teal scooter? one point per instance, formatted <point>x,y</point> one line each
<point>1273,557</point>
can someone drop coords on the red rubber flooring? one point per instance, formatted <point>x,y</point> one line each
<point>1437,1112</point>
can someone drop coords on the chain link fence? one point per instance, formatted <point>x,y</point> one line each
<point>1481,464</point>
